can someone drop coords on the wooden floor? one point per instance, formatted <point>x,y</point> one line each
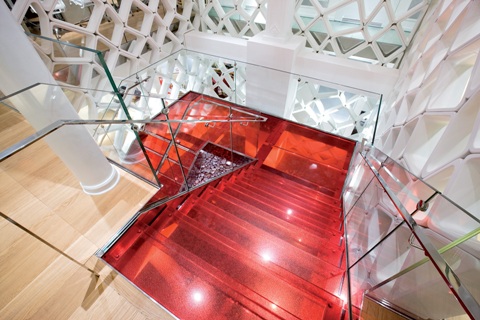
<point>39,193</point>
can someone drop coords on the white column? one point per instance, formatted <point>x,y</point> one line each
<point>271,88</point>
<point>279,19</point>
<point>21,67</point>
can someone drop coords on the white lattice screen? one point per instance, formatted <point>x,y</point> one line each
<point>376,32</point>
<point>431,121</point>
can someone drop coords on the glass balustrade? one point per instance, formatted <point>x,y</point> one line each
<point>330,107</point>
<point>156,146</point>
<point>144,94</point>
<point>410,249</point>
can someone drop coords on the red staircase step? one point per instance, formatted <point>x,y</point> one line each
<point>191,142</point>
<point>324,178</point>
<point>270,132</point>
<point>172,187</point>
<point>312,242</point>
<point>289,186</point>
<point>340,148</point>
<point>251,273</point>
<point>173,170</point>
<point>252,239</point>
<point>157,132</point>
<point>278,187</point>
<point>156,143</point>
<point>263,242</point>
<point>323,212</point>
<point>326,218</point>
<point>158,147</point>
<point>289,213</point>
<point>302,272</point>
<point>155,158</point>
<point>182,282</point>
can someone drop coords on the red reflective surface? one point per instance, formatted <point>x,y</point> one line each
<point>262,242</point>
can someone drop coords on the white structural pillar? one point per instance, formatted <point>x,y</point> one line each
<point>279,19</point>
<point>271,56</point>
<point>20,67</point>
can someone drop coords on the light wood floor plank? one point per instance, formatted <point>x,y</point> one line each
<point>21,260</point>
<point>26,209</point>
<point>13,127</point>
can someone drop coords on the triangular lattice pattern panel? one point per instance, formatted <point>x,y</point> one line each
<point>185,71</point>
<point>376,32</point>
<point>237,18</point>
<point>334,110</point>
<point>131,34</point>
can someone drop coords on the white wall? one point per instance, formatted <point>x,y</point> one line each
<point>433,111</point>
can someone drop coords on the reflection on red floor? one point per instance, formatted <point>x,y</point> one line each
<point>264,241</point>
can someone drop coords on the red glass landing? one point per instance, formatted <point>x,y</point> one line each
<point>262,242</point>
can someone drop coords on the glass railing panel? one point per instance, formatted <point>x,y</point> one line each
<point>330,107</point>
<point>442,231</point>
<point>184,71</point>
<point>49,102</point>
<point>408,188</point>
<point>245,133</point>
<point>86,71</point>
<point>119,143</point>
<point>360,176</point>
<point>371,219</point>
<point>74,62</point>
<point>67,44</point>
<point>206,120</point>
<point>387,259</point>
<point>207,134</point>
<point>105,102</point>
<point>178,108</point>
<point>142,104</point>
<point>344,294</point>
<point>171,157</point>
<point>159,79</point>
<point>170,176</point>
<point>212,75</point>
<point>239,94</point>
<point>446,218</point>
<point>375,157</point>
<point>422,293</point>
<point>355,160</point>
<point>455,235</point>
<point>462,257</point>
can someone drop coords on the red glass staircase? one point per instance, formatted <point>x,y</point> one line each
<point>264,241</point>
